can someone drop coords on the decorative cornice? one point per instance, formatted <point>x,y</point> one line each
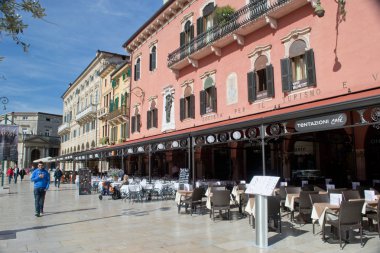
<point>186,17</point>
<point>187,83</point>
<point>259,49</point>
<point>208,73</point>
<point>295,34</point>
<point>153,43</point>
<point>152,98</point>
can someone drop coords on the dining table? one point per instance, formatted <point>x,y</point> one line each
<point>182,194</point>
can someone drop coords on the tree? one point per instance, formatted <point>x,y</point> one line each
<point>11,22</point>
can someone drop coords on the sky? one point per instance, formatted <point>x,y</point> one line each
<point>61,47</point>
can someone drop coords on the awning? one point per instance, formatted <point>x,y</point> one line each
<point>47,159</point>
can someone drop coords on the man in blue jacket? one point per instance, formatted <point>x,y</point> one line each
<point>41,179</point>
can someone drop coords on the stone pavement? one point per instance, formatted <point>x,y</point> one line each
<point>84,224</point>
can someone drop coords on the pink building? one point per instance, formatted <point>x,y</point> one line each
<point>215,83</point>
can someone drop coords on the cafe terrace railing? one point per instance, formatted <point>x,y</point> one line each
<point>240,18</point>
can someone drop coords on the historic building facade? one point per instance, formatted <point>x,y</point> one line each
<point>280,87</point>
<point>81,102</point>
<point>37,135</point>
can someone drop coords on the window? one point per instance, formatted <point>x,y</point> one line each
<point>135,127</point>
<point>206,21</point>
<point>187,105</point>
<point>114,134</point>
<point>153,59</point>
<point>298,70</point>
<point>208,97</point>
<point>137,69</point>
<point>24,117</point>
<point>185,38</point>
<point>124,130</point>
<point>47,132</point>
<point>152,120</point>
<point>260,81</point>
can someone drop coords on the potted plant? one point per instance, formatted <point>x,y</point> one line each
<point>223,14</point>
<point>114,173</point>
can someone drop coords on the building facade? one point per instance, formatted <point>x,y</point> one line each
<point>81,102</point>
<point>275,87</point>
<point>37,135</point>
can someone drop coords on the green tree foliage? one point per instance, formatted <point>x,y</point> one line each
<point>11,21</point>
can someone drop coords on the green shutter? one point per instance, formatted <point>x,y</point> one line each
<point>270,81</point>
<point>251,79</point>
<point>138,122</point>
<point>129,72</point>
<point>182,39</point>
<point>155,117</point>
<point>214,99</point>
<point>123,76</point>
<point>148,119</point>
<point>111,105</point>
<point>202,99</point>
<point>113,84</point>
<point>192,106</point>
<point>182,109</point>
<point>150,62</point>
<point>116,103</point>
<point>133,128</point>
<point>310,67</point>
<point>286,75</point>
<point>199,25</point>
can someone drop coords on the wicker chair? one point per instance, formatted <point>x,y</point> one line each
<point>349,218</point>
<point>376,217</point>
<point>350,194</point>
<point>318,198</point>
<point>274,210</point>
<point>292,190</point>
<point>193,201</point>
<point>220,201</point>
<point>305,206</point>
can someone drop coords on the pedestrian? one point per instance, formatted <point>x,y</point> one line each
<point>22,174</point>
<point>57,177</point>
<point>41,179</point>
<point>16,173</point>
<point>10,174</point>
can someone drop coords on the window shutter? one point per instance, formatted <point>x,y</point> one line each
<point>135,76</point>
<point>148,119</point>
<point>182,39</point>
<point>133,128</point>
<point>214,98</point>
<point>150,62</point>
<point>286,74</point>
<point>138,122</point>
<point>202,99</point>
<point>155,117</point>
<point>138,70</point>
<point>310,68</point>
<point>154,58</point>
<point>182,109</point>
<point>192,32</point>
<point>192,106</point>
<point>199,25</point>
<point>270,80</point>
<point>251,78</point>
<point>129,72</point>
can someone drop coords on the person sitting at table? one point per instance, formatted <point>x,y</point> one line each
<point>125,180</point>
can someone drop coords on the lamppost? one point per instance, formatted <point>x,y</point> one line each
<point>4,101</point>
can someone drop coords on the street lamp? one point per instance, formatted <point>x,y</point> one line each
<point>4,101</point>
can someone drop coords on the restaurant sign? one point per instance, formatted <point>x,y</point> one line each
<point>321,123</point>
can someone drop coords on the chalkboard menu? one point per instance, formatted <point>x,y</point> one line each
<point>84,181</point>
<point>183,176</point>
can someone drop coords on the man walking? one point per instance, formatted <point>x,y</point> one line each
<point>16,172</point>
<point>41,179</point>
<point>22,173</point>
<point>57,177</point>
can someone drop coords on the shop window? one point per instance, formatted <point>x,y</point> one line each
<point>153,59</point>
<point>298,70</point>
<point>137,69</point>
<point>187,105</point>
<point>260,80</point>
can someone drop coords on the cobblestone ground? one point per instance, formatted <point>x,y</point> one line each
<point>73,223</point>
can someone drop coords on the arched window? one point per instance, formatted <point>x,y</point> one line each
<point>208,97</point>
<point>153,59</point>
<point>137,69</point>
<point>260,80</point>
<point>152,116</point>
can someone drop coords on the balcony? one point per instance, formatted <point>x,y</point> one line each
<point>102,112</point>
<point>118,116</point>
<point>88,114</point>
<point>243,22</point>
<point>64,128</point>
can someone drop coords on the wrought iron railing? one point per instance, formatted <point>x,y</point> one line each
<point>248,13</point>
<point>117,112</point>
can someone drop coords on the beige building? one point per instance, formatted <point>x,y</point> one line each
<point>37,135</point>
<point>81,103</point>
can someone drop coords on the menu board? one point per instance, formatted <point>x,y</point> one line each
<point>84,181</point>
<point>183,176</point>
<point>262,185</point>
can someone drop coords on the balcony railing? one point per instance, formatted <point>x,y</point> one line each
<point>118,116</point>
<point>240,18</point>
<point>87,114</point>
<point>102,112</point>
<point>65,127</point>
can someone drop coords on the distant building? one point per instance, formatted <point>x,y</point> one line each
<point>37,135</point>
